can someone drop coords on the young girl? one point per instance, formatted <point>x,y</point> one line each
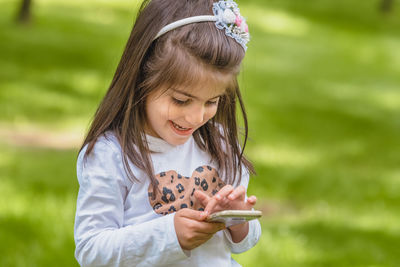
<point>162,152</point>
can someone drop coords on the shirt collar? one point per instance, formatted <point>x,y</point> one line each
<point>158,145</point>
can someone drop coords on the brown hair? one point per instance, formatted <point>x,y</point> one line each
<point>178,57</point>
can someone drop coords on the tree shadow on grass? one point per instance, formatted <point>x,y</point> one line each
<point>59,67</point>
<point>348,16</point>
<point>347,187</point>
<point>349,136</point>
<point>318,242</point>
<point>344,245</point>
<point>39,187</point>
<point>27,242</point>
<point>41,171</point>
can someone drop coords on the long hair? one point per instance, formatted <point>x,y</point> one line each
<point>179,57</point>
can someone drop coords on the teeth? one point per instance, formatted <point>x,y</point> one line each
<point>179,127</point>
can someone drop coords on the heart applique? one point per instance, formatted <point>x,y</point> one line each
<point>177,191</point>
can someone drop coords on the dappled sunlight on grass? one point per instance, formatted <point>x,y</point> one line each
<point>321,86</point>
<point>373,217</point>
<point>49,105</point>
<point>38,194</point>
<point>101,13</point>
<point>38,228</point>
<point>92,3</point>
<point>378,95</point>
<point>282,249</point>
<point>89,81</point>
<point>5,159</point>
<point>275,21</point>
<point>387,99</point>
<point>322,234</point>
<point>65,71</point>
<point>18,206</point>
<point>323,110</point>
<point>274,155</point>
<point>58,210</point>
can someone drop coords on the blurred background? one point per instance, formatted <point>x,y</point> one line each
<point>321,82</point>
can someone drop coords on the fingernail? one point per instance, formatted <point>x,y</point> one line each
<point>218,197</point>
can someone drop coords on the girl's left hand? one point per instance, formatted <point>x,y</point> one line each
<point>228,198</point>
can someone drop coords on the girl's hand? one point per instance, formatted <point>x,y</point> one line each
<point>192,230</point>
<point>228,198</point>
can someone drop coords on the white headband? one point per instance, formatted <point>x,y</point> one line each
<point>226,16</point>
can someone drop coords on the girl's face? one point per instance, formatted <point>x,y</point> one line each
<point>173,115</point>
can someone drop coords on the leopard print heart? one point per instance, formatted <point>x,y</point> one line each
<point>177,191</point>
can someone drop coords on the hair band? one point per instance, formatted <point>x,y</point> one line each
<point>226,16</point>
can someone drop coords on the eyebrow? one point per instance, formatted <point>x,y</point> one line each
<point>192,96</point>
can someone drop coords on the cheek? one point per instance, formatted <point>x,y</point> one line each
<point>163,109</point>
<point>210,113</point>
<point>157,111</point>
<point>172,112</point>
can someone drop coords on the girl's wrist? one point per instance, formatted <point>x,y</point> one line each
<point>238,227</point>
<point>239,232</point>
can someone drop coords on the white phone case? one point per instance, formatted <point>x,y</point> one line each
<point>233,217</point>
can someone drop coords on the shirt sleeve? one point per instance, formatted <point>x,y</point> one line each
<point>254,233</point>
<point>100,237</point>
<point>249,241</point>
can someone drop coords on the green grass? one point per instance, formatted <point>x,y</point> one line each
<point>38,194</point>
<point>321,83</point>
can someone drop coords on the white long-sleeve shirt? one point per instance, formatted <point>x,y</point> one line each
<point>118,223</point>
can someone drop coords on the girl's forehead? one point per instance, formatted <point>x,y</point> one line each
<point>208,85</point>
<point>205,89</point>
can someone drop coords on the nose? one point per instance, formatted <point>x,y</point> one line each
<point>195,115</point>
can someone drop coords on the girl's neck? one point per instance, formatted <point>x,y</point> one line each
<point>160,145</point>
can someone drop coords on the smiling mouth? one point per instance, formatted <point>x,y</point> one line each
<point>180,128</point>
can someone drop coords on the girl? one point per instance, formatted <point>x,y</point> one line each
<point>162,151</point>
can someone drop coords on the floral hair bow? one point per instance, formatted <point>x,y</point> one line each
<point>228,17</point>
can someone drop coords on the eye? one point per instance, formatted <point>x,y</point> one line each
<point>180,102</point>
<point>212,103</point>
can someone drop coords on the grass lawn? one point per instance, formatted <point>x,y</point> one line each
<point>321,82</point>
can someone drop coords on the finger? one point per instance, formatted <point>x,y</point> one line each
<point>250,203</point>
<point>202,197</point>
<point>239,192</point>
<point>211,205</point>
<point>224,202</point>
<point>224,192</point>
<point>252,200</point>
<point>210,228</point>
<point>193,214</point>
<point>202,227</point>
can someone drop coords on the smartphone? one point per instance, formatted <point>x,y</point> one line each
<point>233,217</point>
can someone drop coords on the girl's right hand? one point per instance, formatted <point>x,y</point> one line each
<point>192,230</point>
